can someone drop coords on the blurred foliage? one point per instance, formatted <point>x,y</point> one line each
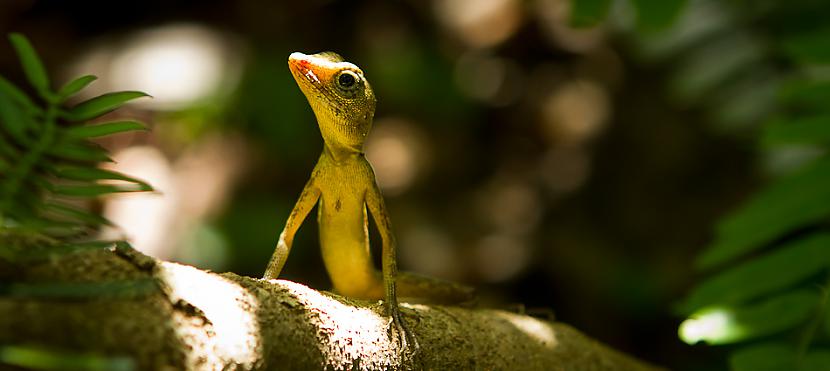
<point>47,159</point>
<point>47,162</point>
<point>652,15</point>
<point>767,269</point>
<point>35,358</point>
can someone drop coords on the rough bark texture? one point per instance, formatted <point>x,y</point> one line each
<point>185,318</point>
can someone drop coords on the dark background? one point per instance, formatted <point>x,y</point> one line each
<point>577,170</point>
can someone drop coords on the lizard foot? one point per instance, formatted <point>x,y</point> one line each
<point>399,332</point>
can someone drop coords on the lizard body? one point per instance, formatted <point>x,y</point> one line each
<point>343,183</point>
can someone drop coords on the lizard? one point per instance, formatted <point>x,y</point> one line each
<point>343,183</point>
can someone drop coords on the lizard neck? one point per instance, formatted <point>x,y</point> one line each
<point>343,140</point>
<point>339,154</point>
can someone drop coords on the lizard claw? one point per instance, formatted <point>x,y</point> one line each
<point>400,334</point>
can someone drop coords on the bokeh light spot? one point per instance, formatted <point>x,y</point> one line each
<point>398,152</point>
<point>480,23</point>
<point>575,112</point>
<point>712,325</point>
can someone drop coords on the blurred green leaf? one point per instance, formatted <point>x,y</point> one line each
<point>78,214</point>
<point>729,324</point>
<point>763,357</point>
<point>809,47</point>
<point>61,230</point>
<point>32,65</point>
<point>13,119</point>
<point>763,275</point>
<point>787,203</point>
<point>37,254</point>
<point>98,189</point>
<point>34,148</point>
<point>90,173</point>
<point>101,104</point>
<point>92,131</point>
<point>17,95</point>
<point>79,152</point>
<point>810,94</point>
<point>777,313</point>
<point>45,359</point>
<point>74,86</point>
<point>826,320</point>
<point>585,13</point>
<point>7,150</point>
<point>809,130</point>
<point>816,360</point>
<point>698,77</point>
<point>656,15</point>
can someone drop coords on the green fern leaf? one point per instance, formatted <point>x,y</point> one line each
<point>655,15</point>
<point>73,151</point>
<point>32,65</point>
<point>75,86</point>
<point>732,324</point>
<point>810,130</point>
<point>13,119</point>
<point>101,104</point>
<point>786,204</point>
<point>806,94</point>
<point>764,275</point>
<point>96,190</point>
<point>87,173</point>
<point>763,357</point>
<point>17,96</point>
<point>99,130</point>
<point>588,12</point>
<point>77,214</point>
<point>809,47</point>
<point>35,358</point>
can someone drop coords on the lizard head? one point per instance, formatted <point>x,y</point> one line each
<point>339,95</point>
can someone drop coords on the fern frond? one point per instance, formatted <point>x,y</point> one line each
<point>46,157</point>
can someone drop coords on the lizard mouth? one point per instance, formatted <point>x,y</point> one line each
<point>301,67</point>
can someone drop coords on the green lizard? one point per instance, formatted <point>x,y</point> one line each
<point>344,184</point>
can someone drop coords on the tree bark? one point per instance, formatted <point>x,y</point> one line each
<point>168,316</point>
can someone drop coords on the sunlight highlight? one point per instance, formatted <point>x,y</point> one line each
<point>229,308</point>
<point>347,331</point>
<point>713,325</point>
<point>537,329</point>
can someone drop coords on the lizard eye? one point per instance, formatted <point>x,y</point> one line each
<point>347,80</point>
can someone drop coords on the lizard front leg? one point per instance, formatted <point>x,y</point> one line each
<point>308,198</point>
<point>374,200</point>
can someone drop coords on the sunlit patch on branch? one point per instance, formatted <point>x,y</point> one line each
<point>229,308</point>
<point>535,328</point>
<point>348,331</point>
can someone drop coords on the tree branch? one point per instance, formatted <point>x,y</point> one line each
<point>185,318</point>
